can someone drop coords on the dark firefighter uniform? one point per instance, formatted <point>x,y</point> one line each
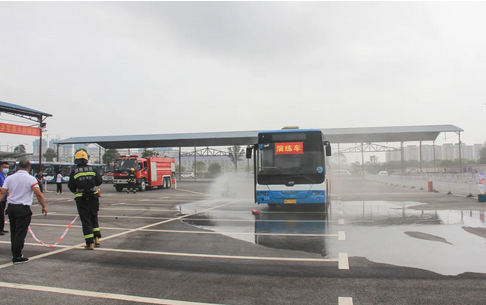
<point>83,182</point>
<point>132,182</point>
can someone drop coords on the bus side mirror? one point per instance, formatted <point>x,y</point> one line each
<point>249,150</point>
<point>328,150</point>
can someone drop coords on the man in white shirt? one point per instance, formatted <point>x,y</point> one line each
<point>21,186</point>
<point>59,178</point>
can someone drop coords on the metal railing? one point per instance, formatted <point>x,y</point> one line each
<point>461,184</point>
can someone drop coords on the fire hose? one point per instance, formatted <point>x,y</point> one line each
<point>60,238</point>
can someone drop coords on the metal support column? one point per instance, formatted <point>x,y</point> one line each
<point>57,157</point>
<point>401,156</point>
<point>420,156</point>
<point>433,150</point>
<point>362,160</point>
<point>100,154</point>
<point>180,164</point>
<point>339,163</point>
<point>460,159</point>
<point>195,160</point>
<point>40,148</point>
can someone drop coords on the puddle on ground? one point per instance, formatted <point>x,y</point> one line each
<point>448,242</point>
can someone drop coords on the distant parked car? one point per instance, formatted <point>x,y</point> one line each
<point>383,173</point>
<point>187,176</point>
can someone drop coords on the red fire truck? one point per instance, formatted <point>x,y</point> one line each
<point>150,172</point>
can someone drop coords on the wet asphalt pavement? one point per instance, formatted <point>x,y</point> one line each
<point>193,245</point>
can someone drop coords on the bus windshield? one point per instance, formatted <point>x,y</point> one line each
<point>298,158</point>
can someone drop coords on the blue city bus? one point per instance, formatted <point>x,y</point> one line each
<point>50,170</point>
<point>290,167</point>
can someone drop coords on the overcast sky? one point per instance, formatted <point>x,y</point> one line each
<point>142,68</point>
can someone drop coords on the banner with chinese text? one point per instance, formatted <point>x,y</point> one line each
<point>21,130</point>
<point>289,148</point>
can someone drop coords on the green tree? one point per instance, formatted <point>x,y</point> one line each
<point>235,153</point>
<point>339,158</point>
<point>110,156</point>
<point>214,169</point>
<point>50,154</point>
<point>148,153</point>
<point>183,168</point>
<point>200,166</point>
<point>20,149</point>
<point>482,156</point>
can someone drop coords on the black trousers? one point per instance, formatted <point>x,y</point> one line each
<point>132,187</point>
<point>2,215</point>
<point>19,216</point>
<point>59,187</point>
<point>88,213</point>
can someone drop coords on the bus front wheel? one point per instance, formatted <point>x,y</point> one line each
<point>119,188</point>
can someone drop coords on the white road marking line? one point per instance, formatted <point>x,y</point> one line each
<point>129,209</point>
<point>345,301</point>
<point>341,235</point>
<point>343,261</point>
<point>115,235</point>
<point>263,220</point>
<point>114,216</point>
<point>104,295</point>
<point>40,214</point>
<point>212,219</point>
<point>259,258</point>
<point>202,194</point>
<point>45,254</point>
<point>165,221</point>
<point>175,200</point>
<point>239,233</point>
<point>140,204</point>
<point>118,203</point>
<point>340,221</point>
<point>53,225</point>
<point>36,244</point>
<point>194,232</point>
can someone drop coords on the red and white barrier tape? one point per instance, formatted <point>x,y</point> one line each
<point>59,240</point>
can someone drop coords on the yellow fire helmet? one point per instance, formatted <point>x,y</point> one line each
<point>81,155</point>
<point>131,169</point>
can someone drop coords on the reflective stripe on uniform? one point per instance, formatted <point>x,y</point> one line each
<point>89,236</point>
<point>76,195</point>
<point>84,174</point>
<point>96,229</point>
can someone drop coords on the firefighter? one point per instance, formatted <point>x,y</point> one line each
<point>84,182</point>
<point>132,182</point>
